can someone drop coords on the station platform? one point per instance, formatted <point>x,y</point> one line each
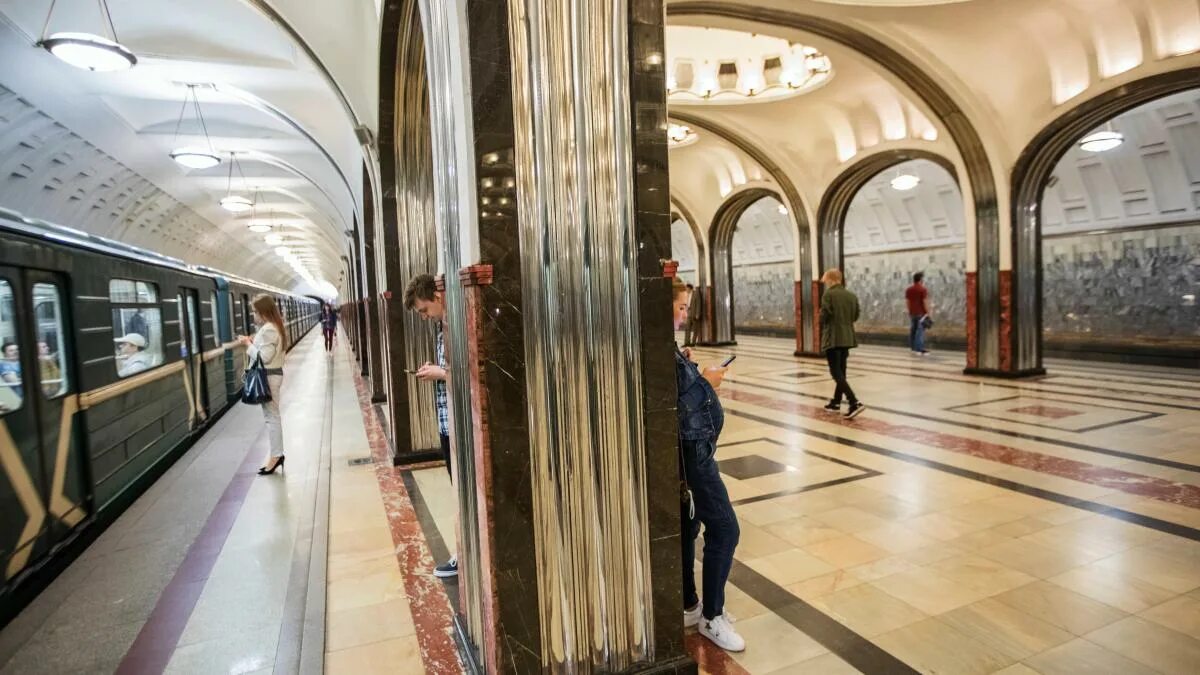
<point>959,525</point>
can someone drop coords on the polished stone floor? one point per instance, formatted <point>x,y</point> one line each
<point>959,525</point>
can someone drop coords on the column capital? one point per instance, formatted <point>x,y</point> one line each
<point>476,275</point>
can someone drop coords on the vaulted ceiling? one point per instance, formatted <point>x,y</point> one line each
<point>1011,66</point>
<point>262,97</point>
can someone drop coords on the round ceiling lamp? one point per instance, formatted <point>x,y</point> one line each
<point>231,202</point>
<point>260,228</point>
<point>273,239</point>
<point>195,158</point>
<point>191,157</point>
<point>283,251</point>
<point>96,53</point>
<point>89,52</point>
<point>237,204</point>
<point>1101,141</point>
<point>905,182</point>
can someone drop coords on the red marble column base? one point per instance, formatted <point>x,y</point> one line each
<point>816,310</point>
<point>474,279</point>
<point>972,319</point>
<point>1006,305</point>
<point>670,268</point>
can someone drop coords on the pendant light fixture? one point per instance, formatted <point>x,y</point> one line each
<point>190,157</point>
<point>88,51</point>
<point>1103,140</point>
<point>905,182</point>
<point>231,202</point>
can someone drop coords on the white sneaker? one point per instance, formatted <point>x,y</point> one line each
<point>721,633</point>
<point>691,617</point>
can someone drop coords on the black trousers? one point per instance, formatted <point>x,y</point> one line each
<point>328,339</point>
<point>446,454</point>
<point>837,358</point>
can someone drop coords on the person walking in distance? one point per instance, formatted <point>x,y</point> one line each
<point>701,419</point>
<point>917,298</point>
<point>839,311</point>
<point>329,325</point>
<point>423,297</point>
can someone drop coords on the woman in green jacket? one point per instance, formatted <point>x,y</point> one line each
<point>839,311</point>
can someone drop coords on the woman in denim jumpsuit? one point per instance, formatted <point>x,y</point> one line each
<point>700,421</point>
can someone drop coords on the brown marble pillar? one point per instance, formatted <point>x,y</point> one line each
<point>972,320</point>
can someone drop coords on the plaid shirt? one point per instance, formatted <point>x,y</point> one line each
<point>440,400</point>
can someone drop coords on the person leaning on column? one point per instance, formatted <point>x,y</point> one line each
<point>423,297</point>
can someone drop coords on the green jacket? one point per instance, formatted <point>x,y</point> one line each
<point>839,311</point>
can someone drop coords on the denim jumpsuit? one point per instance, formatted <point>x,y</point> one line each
<point>700,421</point>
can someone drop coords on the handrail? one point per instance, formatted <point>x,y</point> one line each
<point>111,391</point>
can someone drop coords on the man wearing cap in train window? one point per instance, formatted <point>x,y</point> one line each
<point>131,355</point>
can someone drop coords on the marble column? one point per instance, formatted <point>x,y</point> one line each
<point>568,341</point>
<point>374,333</point>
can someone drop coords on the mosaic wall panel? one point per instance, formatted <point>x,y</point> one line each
<point>1133,284</point>
<point>764,297</point>
<point>879,280</point>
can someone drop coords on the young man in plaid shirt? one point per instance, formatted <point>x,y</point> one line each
<point>423,297</point>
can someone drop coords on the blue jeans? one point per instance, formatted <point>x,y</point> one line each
<point>721,531</point>
<point>916,334</point>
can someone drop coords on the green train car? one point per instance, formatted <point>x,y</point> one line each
<point>115,360</point>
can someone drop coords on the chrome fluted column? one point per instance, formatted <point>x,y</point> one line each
<point>573,162</point>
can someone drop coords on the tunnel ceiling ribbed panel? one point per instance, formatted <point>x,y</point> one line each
<point>261,98</point>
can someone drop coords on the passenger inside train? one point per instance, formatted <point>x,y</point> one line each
<point>743,337</point>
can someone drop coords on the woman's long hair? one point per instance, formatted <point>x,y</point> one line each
<point>266,308</point>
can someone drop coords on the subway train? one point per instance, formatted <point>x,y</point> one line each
<point>115,360</point>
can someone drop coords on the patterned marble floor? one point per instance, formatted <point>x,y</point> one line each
<point>960,525</point>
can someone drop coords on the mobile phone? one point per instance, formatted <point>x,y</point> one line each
<point>410,372</point>
<point>726,362</point>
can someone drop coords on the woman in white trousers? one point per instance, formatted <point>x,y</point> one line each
<point>270,343</point>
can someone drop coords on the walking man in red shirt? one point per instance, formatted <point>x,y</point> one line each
<point>917,297</point>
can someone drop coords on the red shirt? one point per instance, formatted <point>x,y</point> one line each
<point>915,295</point>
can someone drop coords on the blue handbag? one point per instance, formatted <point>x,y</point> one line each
<point>256,390</point>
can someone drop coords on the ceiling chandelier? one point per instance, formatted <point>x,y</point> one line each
<point>1101,141</point>
<point>719,66</point>
<point>679,135</point>
<point>231,202</point>
<point>88,50</point>
<point>905,182</point>
<point>194,158</point>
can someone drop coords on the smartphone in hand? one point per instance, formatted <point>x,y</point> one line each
<point>726,362</point>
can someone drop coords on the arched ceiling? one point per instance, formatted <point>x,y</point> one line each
<point>1012,66</point>
<point>883,218</point>
<point>1151,178</point>
<point>764,234</point>
<point>706,171</point>
<point>261,96</point>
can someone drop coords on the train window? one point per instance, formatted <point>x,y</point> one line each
<point>247,320</point>
<point>137,326</point>
<point>52,350</point>
<point>11,393</point>
<point>213,326</point>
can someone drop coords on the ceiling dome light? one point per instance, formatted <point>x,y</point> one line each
<point>905,182</point>
<point>236,204</point>
<point>260,228</point>
<point>90,52</point>
<point>194,158</point>
<point>273,239</point>
<point>283,251</point>
<point>1101,141</point>
<point>679,135</point>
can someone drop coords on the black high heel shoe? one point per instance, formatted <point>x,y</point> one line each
<point>262,470</point>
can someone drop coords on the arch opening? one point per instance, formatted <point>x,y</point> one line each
<point>1106,234</point>
<point>890,232</point>
<point>720,303</point>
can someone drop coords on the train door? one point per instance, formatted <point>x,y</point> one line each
<point>43,490</point>
<point>192,352</point>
